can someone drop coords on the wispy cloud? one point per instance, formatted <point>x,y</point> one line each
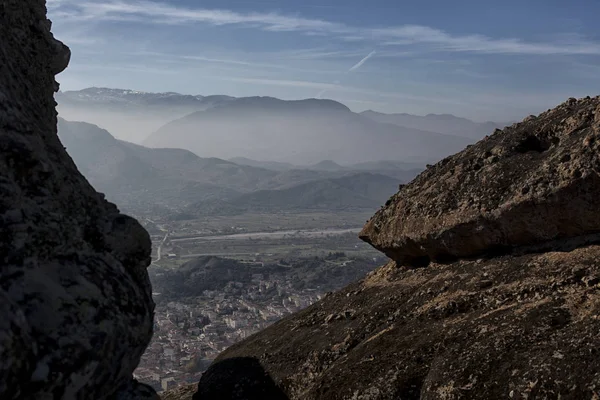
<point>415,34</point>
<point>361,62</point>
<point>353,68</point>
<point>283,82</point>
<point>250,65</point>
<point>434,39</point>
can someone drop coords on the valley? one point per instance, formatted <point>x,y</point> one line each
<point>218,280</point>
<point>253,205</point>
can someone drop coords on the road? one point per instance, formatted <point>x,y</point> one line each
<point>215,255</point>
<point>159,250</point>
<point>271,235</point>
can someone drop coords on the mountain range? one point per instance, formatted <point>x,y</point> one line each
<point>131,115</point>
<point>135,176</point>
<point>300,132</point>
<point>284,133</point>
<point>442,123</point>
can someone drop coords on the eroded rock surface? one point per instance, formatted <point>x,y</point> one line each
<point>476,323</point>
<point>480,329</point>
<point>75,299</point>
<point>527,184</point>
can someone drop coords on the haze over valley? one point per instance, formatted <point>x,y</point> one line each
<point>331,189</point>
<point>267,129</point>
<point>274,192</point>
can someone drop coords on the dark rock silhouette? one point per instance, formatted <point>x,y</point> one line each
<point>238,379</point>
<point>75,300</point>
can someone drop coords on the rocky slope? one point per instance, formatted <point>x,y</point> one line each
<point>76,306</point>
<point>506,306</point>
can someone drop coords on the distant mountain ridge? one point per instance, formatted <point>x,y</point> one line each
<point>131,115</point>
<point>300,132</point>
<point>135,115</point>
<point>107,96</point>
<point>442,123</point>
<point>357,191</point>
<point>176,179</point>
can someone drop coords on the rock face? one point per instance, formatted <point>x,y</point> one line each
<point>75,296</point>
<point>476,323</point>
<point>531,183</point>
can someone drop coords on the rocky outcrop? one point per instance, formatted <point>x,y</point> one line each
<point>75,296</point>
<point>508,305</point>
<point>531,183</point>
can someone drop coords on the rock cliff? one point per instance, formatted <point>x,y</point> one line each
<point>493,290</point>
<point>75,296</point>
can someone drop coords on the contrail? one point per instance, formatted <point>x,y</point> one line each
<point>361,62</point>
<point>354,68</point>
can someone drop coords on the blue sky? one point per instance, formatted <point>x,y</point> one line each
<point>484,60</point>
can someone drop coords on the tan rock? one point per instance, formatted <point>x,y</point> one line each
<point>530,183</point>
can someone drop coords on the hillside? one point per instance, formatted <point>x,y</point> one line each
<point>442,123</point>
<point>216,274</point>
<point>302,132</point>
<point>273,165</point>
<point>357,191</point>
<point>492,290</point>
<point>130,173</point>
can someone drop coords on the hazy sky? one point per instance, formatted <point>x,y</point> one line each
<point>482,59</point>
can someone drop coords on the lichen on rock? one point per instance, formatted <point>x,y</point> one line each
<point>76,300</point>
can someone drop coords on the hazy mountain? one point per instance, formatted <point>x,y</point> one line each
<point>386,165</point>
<point>136,176</point>
<point>327,165</point>
<point>293,177</point>
<point>119,98</point>
<point>441,123</point>
<point>300,132</point>
<point>130,173</point>
<point>352,192</point>
<point>272,165</point>
<point>402,171</point>
<point>130,115</point>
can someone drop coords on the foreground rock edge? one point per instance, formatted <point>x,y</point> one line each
<point>76,300</point>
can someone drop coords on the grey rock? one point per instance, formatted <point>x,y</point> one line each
<point>76,304</point>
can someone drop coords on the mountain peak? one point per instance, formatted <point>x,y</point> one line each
<point>273,104</point>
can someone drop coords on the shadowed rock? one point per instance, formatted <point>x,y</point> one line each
<point>530,183</point>
<point>75,300</point>
<point>237,379</point>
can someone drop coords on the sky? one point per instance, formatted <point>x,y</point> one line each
<point>479,59</point>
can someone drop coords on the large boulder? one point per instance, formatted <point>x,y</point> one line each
<point>76,303</point>
<point>527,184</point>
